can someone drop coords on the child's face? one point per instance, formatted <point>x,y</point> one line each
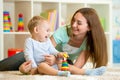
<point>43,31</point>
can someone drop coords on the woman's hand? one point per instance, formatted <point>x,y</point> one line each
<point>50,59</point>
<point>25,67</point>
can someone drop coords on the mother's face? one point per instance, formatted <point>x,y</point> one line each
<point>79,24</point>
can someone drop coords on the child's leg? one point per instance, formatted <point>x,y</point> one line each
<point>59,63</point>
<point>59,66</point>
<point>46,69</point>
<point>96,71</point>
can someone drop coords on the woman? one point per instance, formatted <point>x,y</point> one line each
<point>83,39</point>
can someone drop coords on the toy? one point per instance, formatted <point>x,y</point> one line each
<point>7,22</point>
<point>10,24</point>
<point>65,66</point>
<point>20,22</point>
<point>13,51</point>
<point>117,37</point>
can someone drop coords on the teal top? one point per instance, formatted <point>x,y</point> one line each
<point>61,38</point>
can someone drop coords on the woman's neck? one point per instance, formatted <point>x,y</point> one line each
<point>76,40</point>
<point>79,37</point>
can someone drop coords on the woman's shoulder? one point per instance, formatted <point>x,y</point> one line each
<point>62,28</point>
<point>61,31</point>
<point>60,35</point>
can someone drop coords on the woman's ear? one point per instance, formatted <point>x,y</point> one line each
<point>35,29</point>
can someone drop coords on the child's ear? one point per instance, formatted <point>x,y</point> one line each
<point>35,29</point>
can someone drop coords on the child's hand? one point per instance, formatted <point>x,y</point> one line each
<point>62,55</point>
<point>50,59</point>
<point>25,67</point>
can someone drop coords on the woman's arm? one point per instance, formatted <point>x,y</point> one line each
<point>79,63</point>
<point>81,60</point>
<point>53,41</point>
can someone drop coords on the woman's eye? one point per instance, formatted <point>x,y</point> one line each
<point>79,23</point>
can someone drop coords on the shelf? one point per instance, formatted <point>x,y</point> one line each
<point>65,8</point>
<point>15,0</point>
<point>46,1</point>
<point>16,33</point>
<point>20,33</point>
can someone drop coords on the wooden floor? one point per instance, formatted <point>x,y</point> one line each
<point>110,74</point>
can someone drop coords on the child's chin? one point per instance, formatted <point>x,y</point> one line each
<point>45,39</point>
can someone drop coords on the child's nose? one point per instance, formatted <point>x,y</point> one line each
<point>49,34</point>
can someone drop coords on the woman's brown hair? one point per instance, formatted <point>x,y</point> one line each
<point>96,40</point>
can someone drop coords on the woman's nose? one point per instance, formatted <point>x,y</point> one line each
<point>74,24</point>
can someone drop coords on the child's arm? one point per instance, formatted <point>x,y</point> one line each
<point>28,52</point>
<point>50,59</point>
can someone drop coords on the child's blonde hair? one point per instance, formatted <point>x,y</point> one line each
<point>34,22</point>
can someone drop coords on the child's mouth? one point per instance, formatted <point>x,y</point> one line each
<point>46,37</point>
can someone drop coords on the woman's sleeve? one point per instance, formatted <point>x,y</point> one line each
<point>60,35</point>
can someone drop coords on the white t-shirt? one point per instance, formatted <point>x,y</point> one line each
<point>35,50</point>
